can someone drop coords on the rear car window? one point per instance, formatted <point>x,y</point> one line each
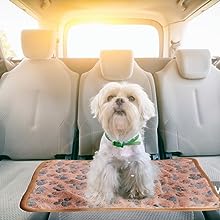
<point>86,40</point>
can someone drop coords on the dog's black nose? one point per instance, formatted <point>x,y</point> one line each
<point>119,101</point>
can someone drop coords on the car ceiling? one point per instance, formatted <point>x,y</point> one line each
<point>163,11</point>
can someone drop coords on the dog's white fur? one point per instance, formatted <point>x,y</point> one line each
<point>123,110</point>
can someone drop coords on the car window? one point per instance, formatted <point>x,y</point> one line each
<point>203,31</point>
<point>86,40</point>
<point>12,21</point>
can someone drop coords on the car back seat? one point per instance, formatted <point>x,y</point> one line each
<point>37,117</point>
<point>114,65</point>
<point>189,107</point>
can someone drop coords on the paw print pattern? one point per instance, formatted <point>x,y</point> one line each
<point>172,198</point>
<point>41,182</point>
<point>58,187</point>
<point>63,202</point>
<point>43,172</point>
<point>62,177</point>
<point>39,190</point>
<point>79,186</point>
<point>80,177</point>
<point>195,176</point>
<point>199,185</point>
<point>61,170</point>
<point>32,202</point>
<point>61,185</point>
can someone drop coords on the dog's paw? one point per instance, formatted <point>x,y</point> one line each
<point>100,199</point>
<point>137,194</point>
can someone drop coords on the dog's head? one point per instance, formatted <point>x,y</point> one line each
<point>122,108</point>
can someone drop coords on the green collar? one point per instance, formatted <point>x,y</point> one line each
<point>133,141</point>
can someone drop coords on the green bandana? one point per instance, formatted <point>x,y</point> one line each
<point>133,141</point>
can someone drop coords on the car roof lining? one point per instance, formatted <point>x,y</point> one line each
<point>165,12</point>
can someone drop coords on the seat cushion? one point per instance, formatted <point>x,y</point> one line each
<point>129,215</point>
<point>211,166</point>
<point>14,179</point>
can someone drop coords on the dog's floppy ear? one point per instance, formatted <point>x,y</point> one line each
<point>94,105</point>
<point>147,109</point>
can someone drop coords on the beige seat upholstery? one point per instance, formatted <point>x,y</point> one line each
<point>37,102</point>
<point>37,118</point>
<point>113,65</point>
<point>128,215</point>
<point>189,107</point>
<point>14,179</point>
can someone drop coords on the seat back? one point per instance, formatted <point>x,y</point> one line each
<point>38,102</point>
<point>115,66</point>
<point>189,104</point>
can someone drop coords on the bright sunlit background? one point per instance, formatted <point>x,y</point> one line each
<point>204,32</point>
<point>87,40</point>
<point>12,21</point>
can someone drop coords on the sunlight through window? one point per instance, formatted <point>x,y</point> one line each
<point>204,32</point>
<point>12,21</point>
<point>87,40</point>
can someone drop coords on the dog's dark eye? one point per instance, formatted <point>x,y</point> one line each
<point>131,98</point>
<point>110,98</point>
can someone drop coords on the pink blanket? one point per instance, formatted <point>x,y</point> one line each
<point>59,185</point>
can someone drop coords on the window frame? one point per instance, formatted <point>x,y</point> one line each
<point>114,21</point>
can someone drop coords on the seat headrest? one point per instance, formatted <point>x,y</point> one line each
<point>38,44</point>
<point>116,64</point>
<point>193,63</point>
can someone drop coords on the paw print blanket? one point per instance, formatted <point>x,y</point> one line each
<point>60,185</point>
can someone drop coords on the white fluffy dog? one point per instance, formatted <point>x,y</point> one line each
<point>121,166</point>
